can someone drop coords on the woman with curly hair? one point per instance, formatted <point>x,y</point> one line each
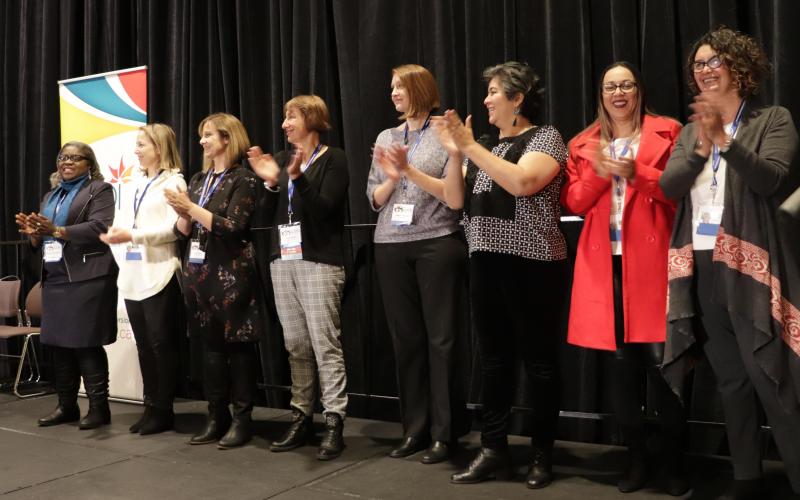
<point>730,276</point>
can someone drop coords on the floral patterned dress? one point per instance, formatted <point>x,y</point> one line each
<point>221,293</point>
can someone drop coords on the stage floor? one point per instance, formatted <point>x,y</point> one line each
<point>110,463</point>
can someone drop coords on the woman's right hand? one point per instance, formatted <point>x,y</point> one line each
<point>26,227</point>
<point>264,165</point>
<point>453,135</point>
<point>116,235</point>
<point>393,160</point>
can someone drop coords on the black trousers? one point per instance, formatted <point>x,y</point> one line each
<point>631,364</point>
<point>517,308</point>
<point>742,383</point>
<point>424,295</point>
<point>154,321</point>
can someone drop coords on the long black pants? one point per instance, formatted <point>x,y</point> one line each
<point>154,321</point>
<point>631,363</point>
<point>742,383</point>
<point>517,308</point>
<point>424,294</point>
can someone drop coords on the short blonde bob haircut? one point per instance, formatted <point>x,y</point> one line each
<point>163,139</point>
<point>314,111</point>
<point>229,128</point>
<point>423,93</point>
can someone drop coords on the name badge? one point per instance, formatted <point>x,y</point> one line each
<point>196,254</point>
<point>133,253</point>
<point>53,251</point>
<point>709,220</point>
<point>402,214</point>
<point>291,240</point>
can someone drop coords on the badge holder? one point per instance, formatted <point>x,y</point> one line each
<point>291,241</point>
<point>402,214</point>
<point>710,220</point>
<point>133,253</point>
<point>53,251</point>
<point>196,254</point>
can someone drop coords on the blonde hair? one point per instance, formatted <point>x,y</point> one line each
<point>314,111</point>
<point>229,127</point>
<point>423,93</point>
<point>163,139</point>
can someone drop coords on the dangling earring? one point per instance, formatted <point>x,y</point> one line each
<point>516,112</point>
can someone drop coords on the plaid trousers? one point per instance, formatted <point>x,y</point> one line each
<point>308,297</point>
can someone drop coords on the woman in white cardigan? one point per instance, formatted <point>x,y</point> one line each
<point>148,260</point>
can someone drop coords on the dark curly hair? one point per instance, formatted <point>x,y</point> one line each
<point>519,78</point>
<point>87,152</point>
<point>741,54</point>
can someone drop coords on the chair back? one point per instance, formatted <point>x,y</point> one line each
<point>9,296</point>
<point>33,303</point>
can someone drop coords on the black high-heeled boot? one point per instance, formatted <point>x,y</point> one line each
<point>67,379</point>
<point>94,369</point>
<point>243,387</point>
<point>489,464</point>
<point>217,388</point>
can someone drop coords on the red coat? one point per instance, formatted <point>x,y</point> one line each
<point>646,228</point>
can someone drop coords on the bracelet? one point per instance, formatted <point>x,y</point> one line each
<point>58,232</point>
<point>726,145</point>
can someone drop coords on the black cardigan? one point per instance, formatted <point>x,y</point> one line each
<point>318,203</point>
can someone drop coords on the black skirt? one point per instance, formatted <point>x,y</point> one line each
<point>82,314</point>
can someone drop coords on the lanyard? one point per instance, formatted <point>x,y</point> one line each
<point>60,202</point>
<point>613,148</point>
<point>207,192</point>
<point>137,202</point>
<point>413,150</point>
<point>716,156</point>
<point>303,168</point>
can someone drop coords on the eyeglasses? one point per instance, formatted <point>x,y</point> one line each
<point>72,158</point>
<point>626,87</point>
<point>713,63</point>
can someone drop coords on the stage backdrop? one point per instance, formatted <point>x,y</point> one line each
<point>105,111</point>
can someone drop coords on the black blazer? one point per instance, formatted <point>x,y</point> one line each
<point>91,212</point>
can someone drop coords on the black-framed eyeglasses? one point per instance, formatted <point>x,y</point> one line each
<point>713,62</point>
<point>626,87</point>
<point>72,158</point>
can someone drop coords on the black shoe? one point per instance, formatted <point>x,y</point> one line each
<point>99,414</point>
<point>332,441</point>
<point>541,471</point>
<point>158,420</point>
<point>61,415</point>
<point>299,432</point>
<point>409,446</point>
<point>636,476</point>
<point>746,489</point>
<point>217,425</point>
<point>239,434</point>
<point>437,452</point>
<point>137,426</point>
<point>489,464</point>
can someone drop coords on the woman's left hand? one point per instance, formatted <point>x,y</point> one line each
<point>621,167</point>
<point>41,225</point>
<point>293,170</point>
<point>116,235</point>
<point>179,201</point>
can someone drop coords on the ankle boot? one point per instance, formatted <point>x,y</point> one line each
<point>94,368</point>
<point>158,420</point>
<point>299,433</point>
<point>66,378</point>
<point>635,476</point>
<point>136,426</point>
<point>243,387</point>
<point>541,471</point>
<point>217,388</point>
<point>489,464</point>
<point>332,441</point>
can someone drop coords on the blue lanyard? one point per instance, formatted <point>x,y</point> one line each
<point>715,154</point>
<point>207,192</point>
<point>303,168</point>
<point>613,148</point>
<point>59,203</point>
<point>137,202</point>
<point>413,150</point>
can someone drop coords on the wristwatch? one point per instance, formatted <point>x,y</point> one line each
<point>59,232</point>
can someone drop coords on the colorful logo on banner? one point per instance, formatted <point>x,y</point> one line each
<point>105,111</point>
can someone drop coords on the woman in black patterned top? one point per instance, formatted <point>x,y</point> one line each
<point>219,277</point>
<point>509,191</point>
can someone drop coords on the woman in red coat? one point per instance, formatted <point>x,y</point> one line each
<point>619,293</point>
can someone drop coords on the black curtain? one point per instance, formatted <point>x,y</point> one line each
<point>248,57</point>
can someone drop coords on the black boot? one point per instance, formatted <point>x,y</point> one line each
<point>541,471</point>
<point>635,476</point>
<point>158,420</point>
<point>217,387</point>
<point>299,433</point>
<point>677,483</point>
<point>94,368</point>
<point>67,379</point>
<point>332,441</point>
<point>243,388</point>
<point>136,426</point>
<point>489,464</point>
